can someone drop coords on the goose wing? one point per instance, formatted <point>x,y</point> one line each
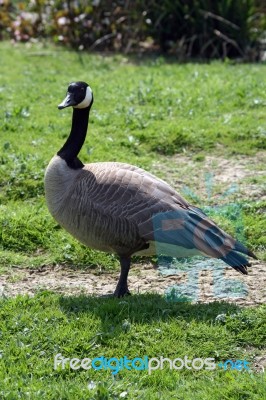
<point>138,199</point>
<point>129,192</point>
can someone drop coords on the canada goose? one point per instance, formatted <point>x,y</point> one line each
<point>115,207</point>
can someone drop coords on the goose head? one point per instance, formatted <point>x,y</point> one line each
<point>79,95</point>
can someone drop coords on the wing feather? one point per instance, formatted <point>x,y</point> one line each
<point>128,196</point>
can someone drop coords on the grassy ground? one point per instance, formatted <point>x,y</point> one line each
<point>144,113</point>
<point>34,330</point>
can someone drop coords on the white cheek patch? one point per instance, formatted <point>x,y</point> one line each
<point>87,101</point>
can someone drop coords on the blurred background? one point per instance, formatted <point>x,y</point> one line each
<point>201,29</point>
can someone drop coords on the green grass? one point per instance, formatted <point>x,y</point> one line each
<point>34,330</point>
<point>143,113</point>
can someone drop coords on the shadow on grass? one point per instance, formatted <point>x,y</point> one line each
<point>144,308</point>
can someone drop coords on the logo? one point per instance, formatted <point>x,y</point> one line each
<point>115,364</point>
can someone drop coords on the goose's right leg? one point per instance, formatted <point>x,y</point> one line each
<point>122,288</point>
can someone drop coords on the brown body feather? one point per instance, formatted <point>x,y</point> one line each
<point>111,206</point>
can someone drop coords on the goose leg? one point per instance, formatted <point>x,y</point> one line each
<point>121,288</point>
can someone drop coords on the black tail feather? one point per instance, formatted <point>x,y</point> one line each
<point>251,254</point>
<point>237,261</point>
<point>243,249</point>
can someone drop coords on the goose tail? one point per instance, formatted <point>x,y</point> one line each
<point>189,232</point>
<point>237,261</point>
<point>214,240</point>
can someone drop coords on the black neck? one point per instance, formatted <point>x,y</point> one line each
<point>76,138</point>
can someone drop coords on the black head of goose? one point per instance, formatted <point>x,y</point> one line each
<point>122,209</point>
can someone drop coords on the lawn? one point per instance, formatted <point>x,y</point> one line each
<point>151,113</point>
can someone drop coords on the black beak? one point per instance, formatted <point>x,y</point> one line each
<point>68,101</point>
